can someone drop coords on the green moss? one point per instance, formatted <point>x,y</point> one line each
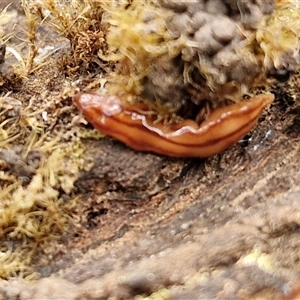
<point>32,215</point>
<point>278,36</point>
<point>34,211</point>
<point>81,23</point>
<point>137,36</point>
<point>131,38</point>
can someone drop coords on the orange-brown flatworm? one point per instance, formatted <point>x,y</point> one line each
<point>223,128</point>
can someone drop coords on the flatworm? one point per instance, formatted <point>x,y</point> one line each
<point>223,128</point>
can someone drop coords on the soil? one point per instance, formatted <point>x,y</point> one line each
<point>226,227</point>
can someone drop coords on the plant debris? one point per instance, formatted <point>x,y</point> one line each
<point>165,52</point>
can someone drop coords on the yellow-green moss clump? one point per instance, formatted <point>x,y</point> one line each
<point>137,38</point>
<point>33,209</point>
<point>81,23</point>
<point>38,166</point>
<point>181,51</point>
<point>177,52</point>
<point>278,37</point>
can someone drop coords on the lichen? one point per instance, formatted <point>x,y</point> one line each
<point>161,294</point>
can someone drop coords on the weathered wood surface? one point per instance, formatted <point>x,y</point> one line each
<point>225,227</point>
<point>222,228</point>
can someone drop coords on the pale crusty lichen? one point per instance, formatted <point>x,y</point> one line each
<point>161,294</point>
<point>260,259</point>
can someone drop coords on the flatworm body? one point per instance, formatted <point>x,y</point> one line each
<point>223,128</point>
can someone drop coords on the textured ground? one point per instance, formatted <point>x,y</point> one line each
<point>222,228</point>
